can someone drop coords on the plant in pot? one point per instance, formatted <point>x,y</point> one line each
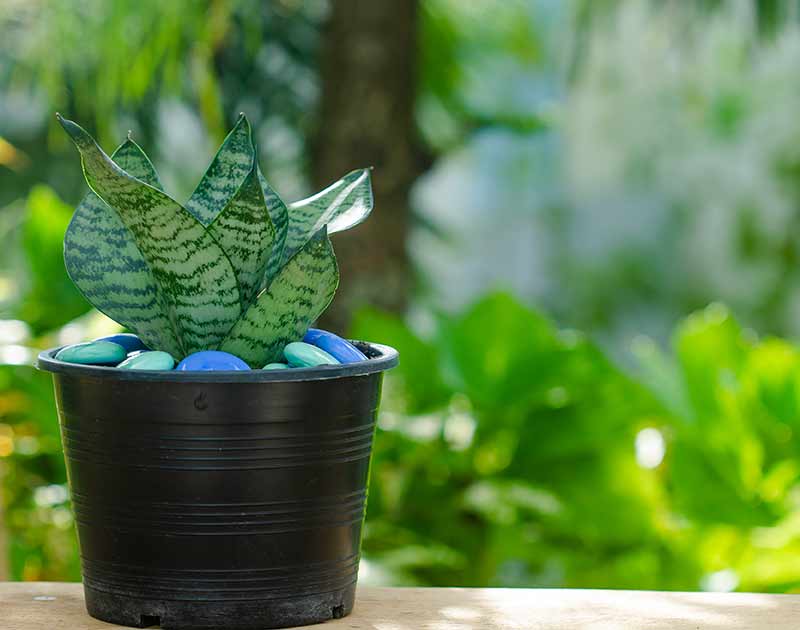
<point>228,491</point>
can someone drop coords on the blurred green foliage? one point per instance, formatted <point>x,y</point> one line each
<point>46,222</point>
<point>511,453</point>
<point>42,543</point>
<point>634,161</point>
<point>113,60</point>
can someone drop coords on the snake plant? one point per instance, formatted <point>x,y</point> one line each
<point>234,269</point>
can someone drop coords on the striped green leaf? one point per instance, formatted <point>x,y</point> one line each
<point>99,251</point>
<point>194,274</point>
<point>231,165</point>
<point>245,231</point>
<point>340,206</point>
<point>225,174</point>
<point>280,219</point>
<point>283,312</point>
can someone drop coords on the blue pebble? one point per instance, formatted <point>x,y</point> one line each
<point>207,360</point>
<point>130,342</point>
<point>340,349</point>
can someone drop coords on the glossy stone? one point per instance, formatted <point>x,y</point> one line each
<point>151,360</point>
<point>130,342</point>
<point>275,366</point>
<point>301,354</point>
<point>208,360</point>
<point>340,349</point>
<point>93,353</point>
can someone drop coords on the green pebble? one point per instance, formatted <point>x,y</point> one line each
<point>93,353</point>
<point>275,366</point>
<point>301,354</point>
<point>150,360</point>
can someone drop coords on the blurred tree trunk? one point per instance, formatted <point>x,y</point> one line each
<point>367,119</point>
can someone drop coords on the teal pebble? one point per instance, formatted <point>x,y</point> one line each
<point>300,354</point>
<point>93,353</point>
<point>275,366</point>
<point>152,360</point>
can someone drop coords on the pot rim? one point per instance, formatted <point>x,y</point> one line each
<point>380,359</point>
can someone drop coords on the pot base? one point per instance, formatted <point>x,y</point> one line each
<point>239,615</point>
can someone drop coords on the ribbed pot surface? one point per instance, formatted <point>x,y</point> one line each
<point>219,503</point>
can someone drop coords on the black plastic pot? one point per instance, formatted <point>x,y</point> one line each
<point>219,499</point>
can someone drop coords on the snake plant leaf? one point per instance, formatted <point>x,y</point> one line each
<point>99,251</point>
<point>196,277</point>
<point>132,159</point>
<point>232,163</point>
<point>279,214</point>
<point>245,231</point>
<point>225,174</point>
<point>283,312</point>
<point>340,206</point>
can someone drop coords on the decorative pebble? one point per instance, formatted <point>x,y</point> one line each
<point>340,349</point>
<point>275,366</point>
<point>92,353</point>
<point>130,342</point>
<point>301,354</point>
<point>212,360</point>
<point>151,360</point>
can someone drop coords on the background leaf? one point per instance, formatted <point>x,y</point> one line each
<point>51,298</point>
<point>515,358</point>
<point>418,377</point>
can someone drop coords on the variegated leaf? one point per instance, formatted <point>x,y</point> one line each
<point>340,206</point>
<point>283,312</point>
<point>196,278</point>
<point>99,251</point>
<point>245,232</point>
<point>223,178</point>
<point>280,219</point>
<point>225,174</point>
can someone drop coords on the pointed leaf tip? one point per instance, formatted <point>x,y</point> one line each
<point>320,234</point>
<point>79,135</point>
<point>341,206</point>
<point>232,163</point>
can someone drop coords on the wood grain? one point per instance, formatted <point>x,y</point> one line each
<point>47,606</point>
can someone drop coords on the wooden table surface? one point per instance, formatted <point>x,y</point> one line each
<point>53,606</point>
